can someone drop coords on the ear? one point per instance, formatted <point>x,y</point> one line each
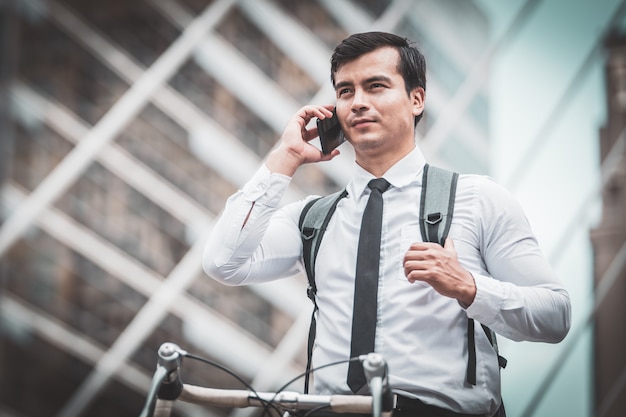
<point>418,95</point>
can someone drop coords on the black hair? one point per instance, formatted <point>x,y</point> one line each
<point>411,65</point>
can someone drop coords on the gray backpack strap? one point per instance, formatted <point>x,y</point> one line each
<point>313,221</point>
<point>436,210</point>
<point>437,203</point>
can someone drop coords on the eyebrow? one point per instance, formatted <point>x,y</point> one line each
<point>369,80</point>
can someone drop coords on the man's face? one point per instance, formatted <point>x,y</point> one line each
<point>374,109</point>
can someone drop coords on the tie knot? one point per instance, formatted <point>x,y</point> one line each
<point>379,184</point>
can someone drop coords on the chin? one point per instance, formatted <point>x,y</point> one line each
<point>366,144</point>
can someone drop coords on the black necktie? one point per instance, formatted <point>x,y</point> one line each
<point>366,282</point>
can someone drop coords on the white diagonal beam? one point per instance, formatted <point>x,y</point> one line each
<point>350,16</point>
<point>393,15</point>
<point>232,347</point>
<point>246,81</point>
<point>120,114</point>
<point>253,88</point>
<point>290,36</point>
<point>430,18</point>
<point>225,150</point>
<point>140,327</point>
<point>274,369</point>
<point>113,157</point>
<point>454,111</point>
<point>145,281</point>
<point>284,295</point>
<point>246,357</point>
<point>559,109</point>
<point>80,345</point>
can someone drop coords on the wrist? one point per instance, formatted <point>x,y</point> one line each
<point>282,161</point>
<point>469,293</point>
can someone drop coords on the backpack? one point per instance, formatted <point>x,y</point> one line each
<point>436,209</point>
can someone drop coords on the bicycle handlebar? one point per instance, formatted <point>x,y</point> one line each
<point>285,400</point>
<point>170,388</point>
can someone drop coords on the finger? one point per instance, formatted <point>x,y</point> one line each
<point>422,246</point>
<point>321,112</point>
<point>414,276</point>
<point>413,268</point>
<point>419,252</point>
<point>329,109</point>
<point>328,157</point>
<point>304,115</point>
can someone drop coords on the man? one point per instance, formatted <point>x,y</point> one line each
<point>490,268</point>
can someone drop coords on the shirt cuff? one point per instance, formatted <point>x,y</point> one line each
<point>266,187</point>
<point>490,296</point>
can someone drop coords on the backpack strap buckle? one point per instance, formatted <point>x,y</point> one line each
<point>434,218</point>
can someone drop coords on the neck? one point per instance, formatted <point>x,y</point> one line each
<point>379,163</point>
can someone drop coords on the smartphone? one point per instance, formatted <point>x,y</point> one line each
<point>330,133</point>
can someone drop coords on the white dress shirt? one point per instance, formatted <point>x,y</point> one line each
<point>421,334</point>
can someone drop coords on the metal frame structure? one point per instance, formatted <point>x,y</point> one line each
<point>198,41</point>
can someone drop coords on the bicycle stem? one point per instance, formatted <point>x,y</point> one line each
<point>170,358</point>
<point>375,369</point>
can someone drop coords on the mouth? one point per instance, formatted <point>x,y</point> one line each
<point>361,123</point>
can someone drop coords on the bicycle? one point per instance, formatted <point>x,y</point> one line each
<point>167,387</point>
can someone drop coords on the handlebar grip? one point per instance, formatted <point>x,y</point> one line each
<point>216,397</point>
<point>163,408</point>
<point>361,404</point>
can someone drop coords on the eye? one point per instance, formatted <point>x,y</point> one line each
<point>343,91</point>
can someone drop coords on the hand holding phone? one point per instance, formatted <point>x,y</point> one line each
<point>330,133</point>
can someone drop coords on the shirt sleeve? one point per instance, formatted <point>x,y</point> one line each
<point>253,240</point>
<point>520,296</point>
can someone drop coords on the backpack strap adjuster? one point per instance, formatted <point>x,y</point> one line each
<point>433,218</point>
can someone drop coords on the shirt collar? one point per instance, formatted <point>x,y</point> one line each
<point>401,174</point>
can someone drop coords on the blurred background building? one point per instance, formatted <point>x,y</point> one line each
<point>125,125</point>
<point>609,242</point>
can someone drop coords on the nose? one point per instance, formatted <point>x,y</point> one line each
<point>359,101</point>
